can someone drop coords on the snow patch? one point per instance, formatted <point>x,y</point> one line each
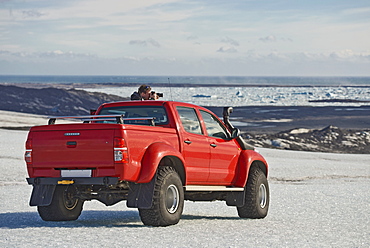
<point>300,130</point>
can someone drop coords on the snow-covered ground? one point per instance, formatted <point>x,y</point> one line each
<point>244,96</point>
<point>17,119</point>
<point>317,200</point>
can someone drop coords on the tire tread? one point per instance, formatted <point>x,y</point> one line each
<point>154,216</point>
<point>251,208</point>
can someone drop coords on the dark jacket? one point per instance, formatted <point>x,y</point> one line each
<point>136,96</point>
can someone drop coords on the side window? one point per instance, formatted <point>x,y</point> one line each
<point>189,120</point>
<point>213,126</point>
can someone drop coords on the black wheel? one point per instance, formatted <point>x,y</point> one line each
<point>168,199</point>
<point>64,205</point>
<point>257,196</point>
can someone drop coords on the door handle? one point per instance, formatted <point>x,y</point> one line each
<point>213,145</point>
<point>187,141</point>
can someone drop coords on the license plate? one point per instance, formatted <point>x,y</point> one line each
<point>76,173</point>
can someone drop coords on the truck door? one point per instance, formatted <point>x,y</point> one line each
<point>196,148</point>
<point>224,151</point>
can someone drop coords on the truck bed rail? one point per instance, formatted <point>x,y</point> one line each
<point>89,118</point>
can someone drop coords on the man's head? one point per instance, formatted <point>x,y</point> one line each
<point>144,91</point>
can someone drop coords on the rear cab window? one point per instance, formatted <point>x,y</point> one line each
<point>143,111</point>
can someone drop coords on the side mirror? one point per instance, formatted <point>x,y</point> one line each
<point>235,133</point>
<point>226,114</point>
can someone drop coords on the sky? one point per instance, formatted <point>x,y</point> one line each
<point>185,37</point>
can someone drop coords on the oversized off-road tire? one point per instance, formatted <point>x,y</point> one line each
<point>64,206</point>
<point>257,196</point>
<point>168,199</point>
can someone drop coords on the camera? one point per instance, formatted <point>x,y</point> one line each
<point>158,94</point>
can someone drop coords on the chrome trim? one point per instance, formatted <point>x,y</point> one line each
<point>211,188</point>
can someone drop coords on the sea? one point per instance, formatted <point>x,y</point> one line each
<point>189,80</point>
<point>217,91</point>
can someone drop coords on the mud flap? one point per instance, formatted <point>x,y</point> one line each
<point>141,195</point>
<point>235,199</point>
<point>42,195</point>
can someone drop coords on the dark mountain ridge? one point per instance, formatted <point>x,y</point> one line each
<point>52,101</point>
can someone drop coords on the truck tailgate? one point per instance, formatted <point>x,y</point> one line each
<point>73,145</point>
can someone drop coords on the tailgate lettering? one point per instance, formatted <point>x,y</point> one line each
<point>71,134</point>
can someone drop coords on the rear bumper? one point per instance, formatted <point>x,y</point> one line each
<point>73,180</point>
<point>44,187</point>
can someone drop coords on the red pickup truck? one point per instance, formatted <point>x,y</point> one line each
<point>153,154</point>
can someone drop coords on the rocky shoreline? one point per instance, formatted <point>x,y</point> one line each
<point>329,139</point>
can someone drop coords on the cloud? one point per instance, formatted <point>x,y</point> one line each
<point>192,37</point>
<point>147,42</point>
<point>273,38</point>
<point>357,11</point>
<point>31,14</point>
<point>226,49</point>
<point>252,63</point>
<point>230,41</point>
<point>270,38</point>
<point>349,55</point>
<point>153,42</point>
<point>230,48</point>
<point>287,39</point>
<point>138,42</point>
<point>56,54</point>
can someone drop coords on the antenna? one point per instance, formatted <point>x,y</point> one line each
<point>169,83</point>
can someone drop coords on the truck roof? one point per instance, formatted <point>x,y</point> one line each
<point>148,102</point>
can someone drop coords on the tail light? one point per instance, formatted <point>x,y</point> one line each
<point>120,150</point>
<point>28,153</point>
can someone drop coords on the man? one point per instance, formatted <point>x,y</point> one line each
<point>144,93</point>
